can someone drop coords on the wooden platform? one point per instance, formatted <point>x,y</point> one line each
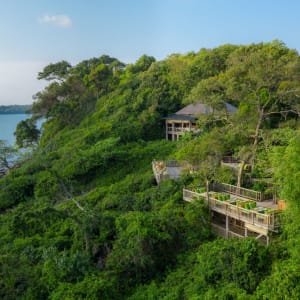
<point>259,220</point>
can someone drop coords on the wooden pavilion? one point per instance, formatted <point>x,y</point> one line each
<point>185,119</point>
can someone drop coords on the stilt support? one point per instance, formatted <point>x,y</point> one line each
<point>227,226</point>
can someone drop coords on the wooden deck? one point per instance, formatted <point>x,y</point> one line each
<point>257,221</point>
<point>241,192</point>
<point>263,222</point>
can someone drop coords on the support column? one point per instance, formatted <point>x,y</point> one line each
<point>227,226</point>
<point>246,231</point>
<point>167,124</point>
<point>173,129</point>
<point>268,240</point>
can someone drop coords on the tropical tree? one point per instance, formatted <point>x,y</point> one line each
<point>27,133</point>
<point>264,80</point>
<point>264,77</point>
<point>57,71</point>
<point>7,154</point>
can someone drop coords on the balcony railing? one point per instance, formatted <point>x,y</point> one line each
<point>230,160</point>
<point>179,129</point>
<point>239,191</point>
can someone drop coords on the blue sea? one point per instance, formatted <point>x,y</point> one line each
<point>8,124</point>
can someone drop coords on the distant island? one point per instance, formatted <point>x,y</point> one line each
<point>14,109</point>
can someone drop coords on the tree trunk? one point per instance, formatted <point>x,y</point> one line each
<point>258,126</point>
<point>87,241</point>
<point>207,193</point>
<point>240,173</point>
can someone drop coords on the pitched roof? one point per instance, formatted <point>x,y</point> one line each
<point>230,108</point>
<point>194,109</point>
<point>201,108</point>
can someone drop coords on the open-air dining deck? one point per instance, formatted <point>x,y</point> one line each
<point>254,210</point>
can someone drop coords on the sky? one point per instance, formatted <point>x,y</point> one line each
<point>34,33</point>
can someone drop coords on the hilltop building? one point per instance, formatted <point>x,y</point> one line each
<point>185,119</point>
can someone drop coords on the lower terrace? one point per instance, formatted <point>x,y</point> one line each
<point>254,211</point>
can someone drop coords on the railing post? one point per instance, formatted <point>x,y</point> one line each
<point>227,226</point>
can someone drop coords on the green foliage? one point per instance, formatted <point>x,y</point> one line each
<point>288,172</point>
<point>141,65</point>
<point>230,262</point>
<point>63,267</point>
<point>94,286</point>
<point>26,133</point>
<point>15,190</point>
<point>282,283</point>
<point>58,71</point>
<point>222,269</point>
<point>82,216</point>
<point>7,154</point>
<point>47,185</point>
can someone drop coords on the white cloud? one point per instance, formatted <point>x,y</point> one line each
<point>56,20</point>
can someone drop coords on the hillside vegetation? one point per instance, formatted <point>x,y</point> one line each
<point>82,216</point>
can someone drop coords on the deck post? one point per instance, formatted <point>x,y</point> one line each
<point>246,231</point>
<point>227,226</point>
<point>167,129</point>
<point>173,129</point>
<point>268,240</point>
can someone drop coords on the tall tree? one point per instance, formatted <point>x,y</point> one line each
<point>26,133</point>
<point>57,71</point>
<point>100,78</point>
<point>264,80</point>
<point>7,154</point>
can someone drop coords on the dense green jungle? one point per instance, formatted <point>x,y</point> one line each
<point>81,214</point>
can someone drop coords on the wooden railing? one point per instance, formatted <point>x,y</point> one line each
<point>230,160</point>
<point>189,195</point>
<point>268,221</point>
<point>174,163</point>
<point>239,191</point>
<point>179,129</point>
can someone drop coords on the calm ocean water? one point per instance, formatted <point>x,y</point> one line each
<point>8,125</point>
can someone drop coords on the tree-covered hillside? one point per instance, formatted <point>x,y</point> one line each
<point>14,109</point>
<point>82,216</point>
